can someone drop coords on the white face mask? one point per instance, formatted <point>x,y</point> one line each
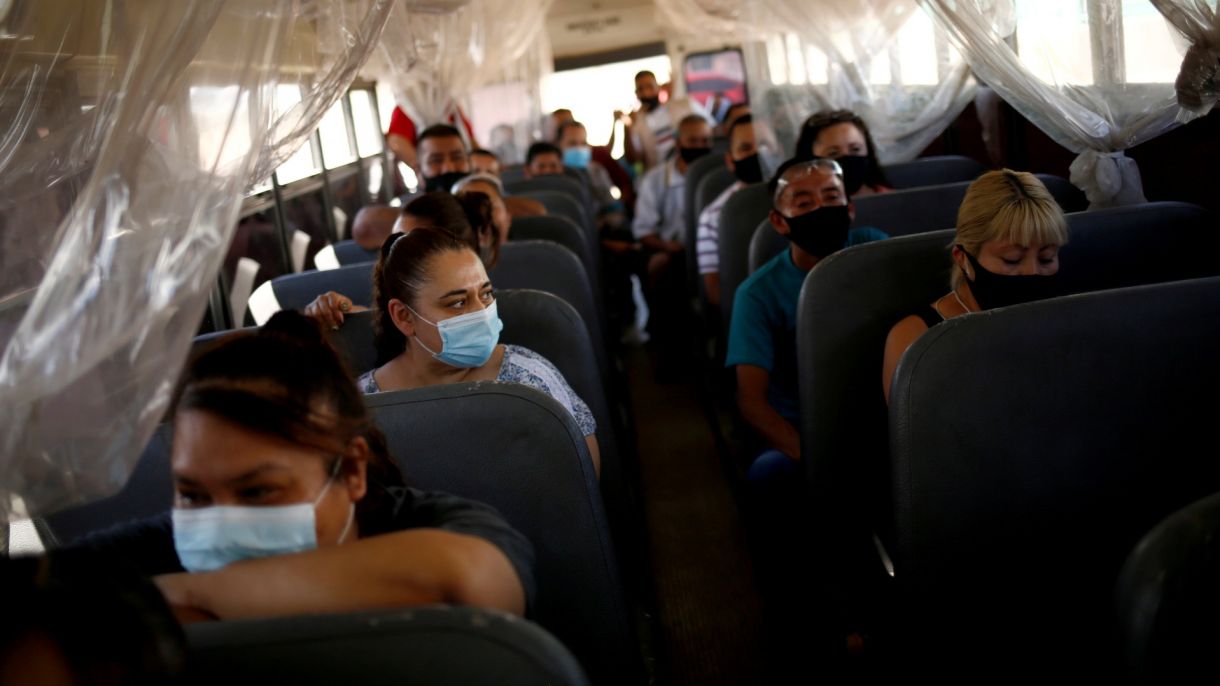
<point>209,538</point>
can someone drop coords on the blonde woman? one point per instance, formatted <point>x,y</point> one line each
<point>1009,231</point>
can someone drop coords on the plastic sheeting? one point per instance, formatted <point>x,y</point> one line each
<point>131,130</point>
<point>1097,115</point>
<point>1198,82</point>
<point>803,56</point>
<point>433,60</point>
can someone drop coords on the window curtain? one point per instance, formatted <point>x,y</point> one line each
<point>1198,82</point>
<point>882,59</point>
<point>1097,114</point>
<point>131,131</point>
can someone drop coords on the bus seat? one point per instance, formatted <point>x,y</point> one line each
<point>423,646</point>
<point>696,172</point>
<point>243,284</point>
<point>1167,597</point>
<point>562,204</point>
<point>349,252</point>
<point>512,173</point>
<point>553,183</point>
<point>1028,459</point>
<point>562,230</point>
<point>852,299</point>
<point>931,171</point>
<point>916,210</point>
<point>738,219</point>
<point>149,491</point>
<point>295,291</point>
<point>520,451</point>
<point>299,250</point>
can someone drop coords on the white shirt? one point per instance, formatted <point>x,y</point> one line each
<point>660,207</point>
<point>707,245</point>
<point>657,131</point>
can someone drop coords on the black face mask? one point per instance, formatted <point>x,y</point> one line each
<point>748,169</point>
<point>652,103</point>
<point>821,232</point>
<point>855,170</point>
<point>443,182</point>
<point>691,154</point>
<point>1000,290</point>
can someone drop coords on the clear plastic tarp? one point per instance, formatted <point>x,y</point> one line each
<point>1198,82</point>
<point>1096,76</point>
<point>131,130</point>
<point>883,59</point>
<point>434,57</point>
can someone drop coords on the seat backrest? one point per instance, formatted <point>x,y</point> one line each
<point>512,173</point>
<point>562,230</point>
<point>902,213</point>
<point>695,173</point>
<point>149,491</point>
<point>561,204</point>
<point>546,266</point>
<point>295,291</point>
<point>1167,597</point>
<point>1031,449</point>
<point>931,171</point>
<point>552,183</point>
<point>423,645</point>
<point>528,460</point>
<point>738,219</point>
<point>350,252</point>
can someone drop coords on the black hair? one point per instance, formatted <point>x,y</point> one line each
<point>484,151</point>
<point>286,380</point>
<point>740,121</point>
<point>400,272</point>
<point>542,148</point>
<point>645,73</point>
<point>480,215</point>
<point>438,131</point>
<point>564,127</point>
<point>827,118</point>
<point>439,209</point>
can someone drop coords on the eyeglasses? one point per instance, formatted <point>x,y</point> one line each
<point>797,171</point>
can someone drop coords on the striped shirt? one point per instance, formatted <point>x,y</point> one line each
<point>707,245</point>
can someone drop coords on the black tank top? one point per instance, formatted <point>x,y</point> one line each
<point>930,316</point>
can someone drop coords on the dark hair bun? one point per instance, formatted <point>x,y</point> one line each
<point>294,325</point>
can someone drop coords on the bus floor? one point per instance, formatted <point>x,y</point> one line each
<point>709,620</point>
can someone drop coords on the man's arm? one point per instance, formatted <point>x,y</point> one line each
<point>752,385</point>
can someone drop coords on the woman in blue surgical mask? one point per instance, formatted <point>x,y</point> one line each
<point>841,135</point>
<point>437,323</point>
<point>1006,252</point>
<point>286,501</point>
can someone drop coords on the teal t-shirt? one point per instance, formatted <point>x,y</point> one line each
<point>762,332</point>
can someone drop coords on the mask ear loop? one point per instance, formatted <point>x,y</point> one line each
<point>351,512</point>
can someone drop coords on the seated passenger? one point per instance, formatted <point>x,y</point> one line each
<point>286,501</point>
<point>484,162</point>
<point>843,136</point>
<point>427,210</point>
<point>543,159</point>
<point>1009,231</point>
<point>742,158</point>
<point>442,157</point>
<point>491,188</point>
<point>811,210</point>
<point>372,224</point>
<point>437,323</point>
<point>578,154</point>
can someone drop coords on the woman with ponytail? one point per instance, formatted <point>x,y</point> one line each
<point>286,500</point>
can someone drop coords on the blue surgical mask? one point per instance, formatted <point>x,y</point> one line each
<point>467,340</point>
<point>209,538</point>
<point>578,157</point>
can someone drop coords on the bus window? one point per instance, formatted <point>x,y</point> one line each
<point>368,128</point>
<point>715,80</point>
<point>336,146</point>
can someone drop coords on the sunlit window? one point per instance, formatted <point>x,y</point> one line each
<point>302,163</point>
<point>385,105</point>
<point>368,130</point>
<point>336,147</point>
<point>1053,40</point>
<point>913,57</point>
<point>222,120</point>
<point>1148,44</point>
<point>593,93</point>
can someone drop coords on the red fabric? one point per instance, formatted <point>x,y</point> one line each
<point>620,177</point>
<point>402,125</point>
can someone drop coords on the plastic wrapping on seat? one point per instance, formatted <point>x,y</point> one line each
<point>131,130</point>
<point>1198,83</point>
<point>808,55</point>
<point>1097,117</point>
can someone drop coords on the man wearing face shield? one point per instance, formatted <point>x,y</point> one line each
<point>659,226</point>
<point>812,210</point>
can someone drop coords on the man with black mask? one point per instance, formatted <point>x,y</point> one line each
<point>651,130</point>
<point>751,148</point>
<point>810,208</point>
<point>660,225</point>
<point>443,158</point>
